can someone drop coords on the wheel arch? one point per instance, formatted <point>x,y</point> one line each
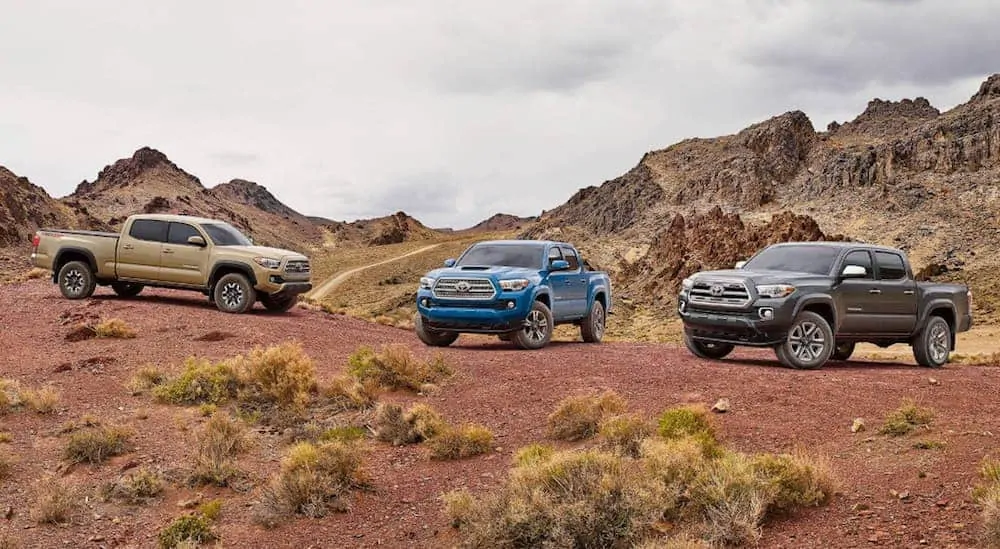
<point>821,305</point>
<point>228,267</point>
<point>73,253</point>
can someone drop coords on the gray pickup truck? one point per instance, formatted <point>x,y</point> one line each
<point>813,301</point>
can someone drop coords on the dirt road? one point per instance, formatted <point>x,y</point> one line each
<point>510,391</point>
<point>331,283</point>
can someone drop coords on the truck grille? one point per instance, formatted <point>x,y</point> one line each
<point>464,288</point>
<point>299,267</point>
<point>720,293</point>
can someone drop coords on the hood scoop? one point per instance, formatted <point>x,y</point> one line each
<point>474,268</point>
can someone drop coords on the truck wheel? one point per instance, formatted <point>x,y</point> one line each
<point>279,305</point>
<point>76,280</point>
<point>126,289</point>
<point>234,294</point>
<point>537,331</point>
<point>432,337</point>
<point>843,351</point>
<point>504,337</point>
<point>809,344</point>
<point>592,327</point>
<point>707,349</point>
<point>933,344</point>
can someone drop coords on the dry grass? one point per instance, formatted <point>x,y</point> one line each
<point>37,273</point>
<point>313,480</point>
<point>42,401</point>
<point>624,433</point>
<point>906,418</point>
<point>348,393</point>
<point>94,445</point>
<point>217,445</point>
<point>419,423</point>
<point>54,501</point>
<point>114,328</point>
<point>987,494</point>
<point>395,367</point>
<point>187,531</point>
<point>460,442</point>
<point>135,488</point>
<point>596,498</point>
<point>199,382</point>
<point>145,378</point>
<point>579,417</point>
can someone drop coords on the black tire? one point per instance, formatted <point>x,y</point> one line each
<point>279,305</point>
<point>842,351</point>
<point>537,331</point>
<point>432,337</point>
<point>932,345</point>
<point>234,294</point>
<point>76,280</point>
<point>126,289</point>
<point>809,344</point>
<point>503,337</point>
<point>592,327</point>
<point>707,349</point>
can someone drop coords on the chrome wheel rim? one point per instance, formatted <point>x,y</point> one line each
<point>806,341</point>
<point>939,343</point>
<point>599,324</point>
<point>536,326</point>
<point>73,281</point>
<point>232,295</point>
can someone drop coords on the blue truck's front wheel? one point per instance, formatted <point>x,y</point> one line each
<point>432,337</point>
<point>537,330</point>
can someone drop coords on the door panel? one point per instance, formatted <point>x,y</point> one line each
<point>183,263</point>
<point>560,283</point>
<point>139,250</point>
<point>578,289</point>
<point>898,299</point>
<point>855,298</point>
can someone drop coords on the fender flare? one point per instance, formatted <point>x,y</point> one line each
<point>822,299</point>
<point>242,267</point>
<point>91,261</point>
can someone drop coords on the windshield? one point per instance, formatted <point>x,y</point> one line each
<point>816,260</point>
<point>528,256</point>
<point>224,234</point>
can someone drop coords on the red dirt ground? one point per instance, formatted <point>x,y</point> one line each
<point>511,392</point>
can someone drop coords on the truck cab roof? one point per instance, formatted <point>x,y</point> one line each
<point>839,245</point>
<point>176,217</point>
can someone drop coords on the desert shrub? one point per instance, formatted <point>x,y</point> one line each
<point>187,530</point>
<point>685,421</point>
<point>348,393</point>
<point>216,446</point>
<point>906,418</point>
<point>114,328</point>
<point>987,494</point>
<point>95,445</point>
<point>794,480</point>
<point>579,417</point>
<point>417,424</point>
<point>37,272</point>
<point>460,442</point>
<point>134,488</point>
<point>10,395</point>
<point>313,480</point>
<point>682,541</point>
<point>199,382</point>
<point>5,437</point>
<point>395,367</point>
<point>145,379</point>
<point>624,433</point>
<point>533,453</point>
<point>347,433</point>
<point>54,501</point>
<point>281,374</point>
<point>42,401</point>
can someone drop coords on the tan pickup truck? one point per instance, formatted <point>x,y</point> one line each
<point>174,251</point>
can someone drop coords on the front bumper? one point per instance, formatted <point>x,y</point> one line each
<point>504,314</point>
<point>291,288</point>
<point>764,324</point>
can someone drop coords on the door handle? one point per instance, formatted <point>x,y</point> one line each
<point>874,291</point>
<point>583,280</point>
<point>168,251</point>
<point>908,292</point>
<point>127,247</point>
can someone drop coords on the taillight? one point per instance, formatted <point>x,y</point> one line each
<point>35,240</point>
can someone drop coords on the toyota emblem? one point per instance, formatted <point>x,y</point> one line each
<point>463,287</point>
<point>716,290</point>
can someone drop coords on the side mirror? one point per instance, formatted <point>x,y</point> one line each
<point>450,262</point>
<point>559,265</point>
<point>854,271</point>
<point>740,264</point>
<point>197,241</point>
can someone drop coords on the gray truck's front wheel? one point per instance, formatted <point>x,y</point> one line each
<point>278,305</point>
<point>537,330</point>
<point>431,337</point>
<point>809,343</point>
<point>707,349</point>
<point>234,294</point>
<point>933,344</point>
<point>126,289</point>
<point>592,327</point>
<point>76,280</point>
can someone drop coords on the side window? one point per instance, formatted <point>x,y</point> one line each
<point>148,229</point>
<point>861,258</point>
<point>890,266</point>
<point>179,233</point>
<point>554,254</point>
<point>570,256</point>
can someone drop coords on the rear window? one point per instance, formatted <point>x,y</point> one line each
<point>805,258</point>
<point>890,266</point>
<point>148,229</point>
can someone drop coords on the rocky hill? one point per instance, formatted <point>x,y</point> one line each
<point>502,222</point>
<point>390,229</point>
<point>901,173</point>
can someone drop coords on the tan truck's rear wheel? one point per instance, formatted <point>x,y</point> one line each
<point>234,294</point>
<point>76,280</point>
<point>126,289</point>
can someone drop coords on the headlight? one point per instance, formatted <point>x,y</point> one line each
<point>687,283</point>
<point>515,284</point>
<point>775,290</point>
<point>267,262</point>
<point>426,283</point>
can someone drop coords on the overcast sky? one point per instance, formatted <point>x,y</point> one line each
<point>450,109</point>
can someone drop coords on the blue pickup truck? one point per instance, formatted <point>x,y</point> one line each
<point>517,289</point>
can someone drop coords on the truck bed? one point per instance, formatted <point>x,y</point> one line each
<point>81,233</point>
